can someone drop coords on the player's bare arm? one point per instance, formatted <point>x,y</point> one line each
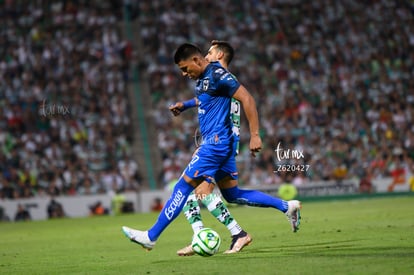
<point>250,110</point>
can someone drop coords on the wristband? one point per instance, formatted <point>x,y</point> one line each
<point>189,104</point>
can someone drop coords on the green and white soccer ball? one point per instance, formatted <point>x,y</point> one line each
<point>206,242</point>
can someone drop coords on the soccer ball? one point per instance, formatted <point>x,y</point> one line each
<point>206,242</point>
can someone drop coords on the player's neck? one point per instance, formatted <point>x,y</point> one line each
<point>204,66</point>
<point>224,65</point>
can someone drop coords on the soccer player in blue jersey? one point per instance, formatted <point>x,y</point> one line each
<point>222,52</point>
<point>215,159</point>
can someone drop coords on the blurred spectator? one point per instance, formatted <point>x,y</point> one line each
<point>127,207</point>
<point>117,203</point>
<point>365,185</point>
<point>22,214</point>
<point>55,209</point>
<point>3,216</point>
<point>98,209</point>
<point>7,191</point>
<point>157,205</point>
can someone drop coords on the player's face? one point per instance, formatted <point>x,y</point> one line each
<point>190,68</point>
<point>213,54</point>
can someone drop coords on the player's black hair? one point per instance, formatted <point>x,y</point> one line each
<point>186,51</point>
<point>226,48</point>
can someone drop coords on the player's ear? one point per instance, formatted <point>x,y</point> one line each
<point>197,60</point>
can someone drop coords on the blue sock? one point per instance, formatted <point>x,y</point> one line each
<point>171,208</point>
<point>253,198</point>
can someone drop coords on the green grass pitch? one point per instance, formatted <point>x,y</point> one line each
<point>359,236</point>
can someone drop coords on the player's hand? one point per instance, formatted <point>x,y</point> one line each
<point>176,108</point>
<point>255,145</point>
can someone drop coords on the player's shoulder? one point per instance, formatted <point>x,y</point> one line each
<point>218,72</point>
<point>216,69</point>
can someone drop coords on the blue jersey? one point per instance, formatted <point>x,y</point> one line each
<point>215,158</point>
<point>214,90</point>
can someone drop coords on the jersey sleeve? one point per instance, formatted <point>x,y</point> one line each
<point>227,83</point>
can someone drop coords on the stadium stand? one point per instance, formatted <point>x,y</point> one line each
<point>66,126</point>
<point>331,78</point>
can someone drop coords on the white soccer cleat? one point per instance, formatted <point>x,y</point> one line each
<point>293,214</point>
<point>139,237</point>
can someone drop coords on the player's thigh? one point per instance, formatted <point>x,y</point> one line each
<point>227,182</point>
<point>205,163</point>
<point>227,176</point>
<point>195,182</point>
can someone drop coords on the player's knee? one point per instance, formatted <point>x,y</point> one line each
<point>204,189</point>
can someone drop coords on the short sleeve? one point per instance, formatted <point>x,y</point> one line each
<point>227,84</point>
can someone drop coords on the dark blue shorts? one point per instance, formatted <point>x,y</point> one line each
<point>213,161</point>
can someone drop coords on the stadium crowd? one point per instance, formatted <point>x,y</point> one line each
<point>65,126</point>
<point>333,79</point>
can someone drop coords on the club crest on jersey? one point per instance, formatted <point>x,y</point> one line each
<point>205,84</point>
